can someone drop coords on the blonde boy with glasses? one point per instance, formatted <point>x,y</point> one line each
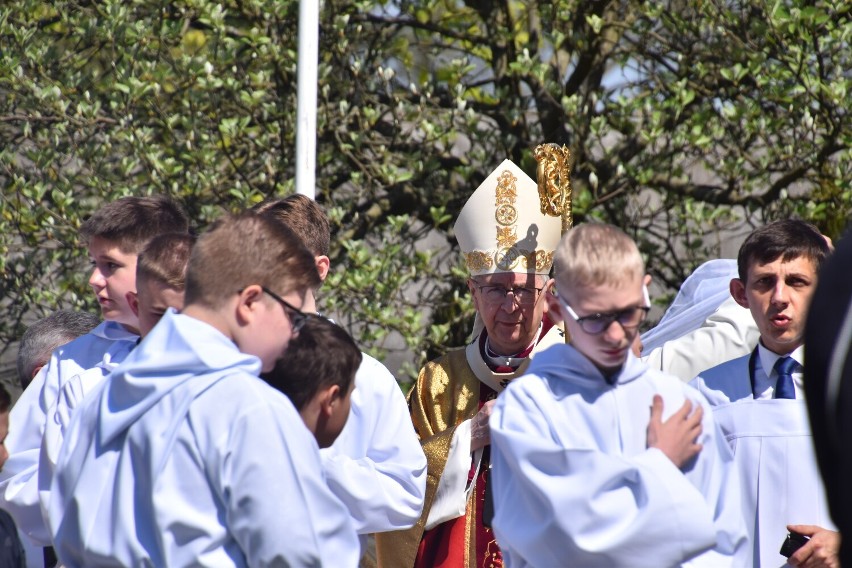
<point>599,460</point>
<point>184,456</point>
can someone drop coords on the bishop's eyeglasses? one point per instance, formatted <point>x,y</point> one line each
<point>495,294</point>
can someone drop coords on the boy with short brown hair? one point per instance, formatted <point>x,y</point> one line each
<point>757,398</point>
<point>160,284</point>
<point>375,466</point>
<point>114,236</point>
<point>586,472</point>
<point>184,456</point>
<point>160,279</point>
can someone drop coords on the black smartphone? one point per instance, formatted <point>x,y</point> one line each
<point>792,543</point>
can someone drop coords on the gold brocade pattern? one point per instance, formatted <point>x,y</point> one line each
<point>508,259</point>
<point>506,191</point>
<point>445,395</point>
<point>505,195</point>
<point>506,236</point>
<point>506,214</point>
<point>543,260</point>
<point>493,558</point>
<point>477,260</point>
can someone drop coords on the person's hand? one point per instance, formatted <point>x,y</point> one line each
<point>480,432</point>
<point>821,550</point>
<point>676,437</point>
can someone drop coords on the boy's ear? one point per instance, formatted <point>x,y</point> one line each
<point>330,398</point>
<point>247,302</point>
<point>133,301</point>
<point>323,266</point>
<point>738,292</point>
<point>549,287</point>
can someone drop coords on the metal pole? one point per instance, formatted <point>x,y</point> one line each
<point>306,107</point>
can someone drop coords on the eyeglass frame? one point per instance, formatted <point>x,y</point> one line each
<point>297,317</point>
<point>479,286</point>
<point>610,317</point>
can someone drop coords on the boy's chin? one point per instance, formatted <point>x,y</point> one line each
<point>130,324</point>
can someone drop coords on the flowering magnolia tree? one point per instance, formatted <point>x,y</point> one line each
<point>684,119</point>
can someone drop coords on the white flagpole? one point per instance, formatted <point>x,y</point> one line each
<point>306,107</point>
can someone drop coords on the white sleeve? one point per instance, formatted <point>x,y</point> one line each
<point>377,466</point>
<point>33,416</point>
<point>557,505</point>
<point>728,333</point>
<point>58,419</point>
<point>281,509</point>
<point>453,489</point>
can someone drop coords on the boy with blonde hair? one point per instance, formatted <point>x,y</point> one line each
<point>598,459</point>
<point>184,456</point>
<point>114,235</point>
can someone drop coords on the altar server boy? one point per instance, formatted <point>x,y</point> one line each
<point>375,465</point>
<point>184,456</point>
<point>757,399</point>
<point>160,284</point>
<point>598,459</point>
<point>114,236</point>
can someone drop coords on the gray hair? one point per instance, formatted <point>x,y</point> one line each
<point>45,335</point>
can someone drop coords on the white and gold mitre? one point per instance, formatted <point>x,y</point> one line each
<point>501,227</point>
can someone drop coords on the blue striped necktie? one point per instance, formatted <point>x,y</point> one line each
<point>784,386</point>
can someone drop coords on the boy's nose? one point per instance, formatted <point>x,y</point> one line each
<point>614,333</point>
<point>780,293</point>
<point>97,280</point>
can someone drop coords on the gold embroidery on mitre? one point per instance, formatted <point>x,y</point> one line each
<point>527,260</point>
<point>477,260</point>
<point>506,214</point>
<point>507,259</point>
<point>541,260</point>
<point>506,192</point>
<point>506,237</point>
